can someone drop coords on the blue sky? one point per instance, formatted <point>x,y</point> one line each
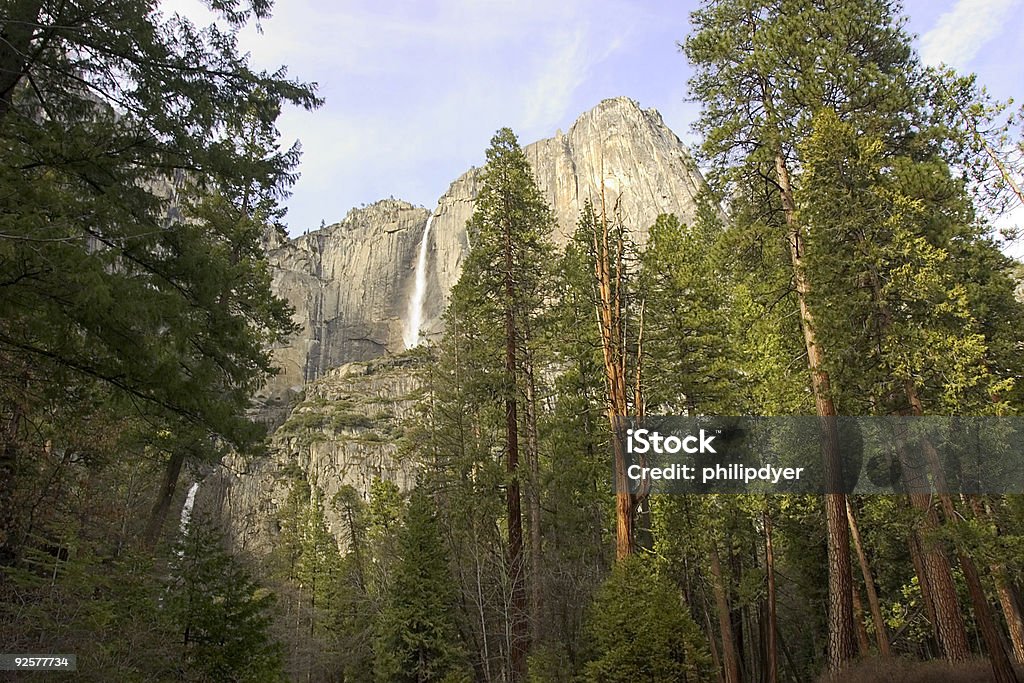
<point>416,88</point>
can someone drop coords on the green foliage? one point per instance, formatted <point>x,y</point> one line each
<point>762,69</point>
<point>140,176</point>
<point>897,307</point>
<point>418,639</point>
<point>639,628</point>
<point>510,220</point>
<point>222,615</point>
<point>688,324</point>
<point>505,278</point>
<point>105,610</point>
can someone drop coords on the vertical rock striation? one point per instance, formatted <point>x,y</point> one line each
<point>349,284</point>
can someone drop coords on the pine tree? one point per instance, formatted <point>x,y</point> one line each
<point>689,336</point>
<point>843,138</point>
<point>418,639</point>
<point>222,613</point>
<point>606,251</point>
<point>910,221</point>
<point>784,60</point>
<point>494,310</point>
<point>116,119</point>
<point>638,629</point>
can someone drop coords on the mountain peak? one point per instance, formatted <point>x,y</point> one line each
<point>351,282</point>
<point>620,102</point>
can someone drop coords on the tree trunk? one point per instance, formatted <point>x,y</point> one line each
<point>533,496</point>
<point>842,646</point>
<point>19,28</point>
<point>862,633</point>
<point>518,607</point>
<point>881,634</point>
<point>729,656</point>
<point>1002,668</point>
<point>610,322</point>
<point>1008,599</point>
<point>936,573</point>
<point>9,522</point>
<point>771,639</point>
<point>716,660</point>
<point>165,495</point>
<point>1011,611</point>
<point>927,601</point>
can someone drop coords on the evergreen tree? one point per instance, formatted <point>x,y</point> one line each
<point>910,224</point>
<point>493,314</point>
<point>783,60</point>
<point>608,256</point>
<point>639,629</point>
<point>354,609</point>
<point>418,640</point>
<point>222,614</point>
<point>841,123</point>
<point>108,111</point>
<point>688,319</point>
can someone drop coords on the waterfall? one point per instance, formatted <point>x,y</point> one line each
<point>186,510</point>
<point>414,318</point>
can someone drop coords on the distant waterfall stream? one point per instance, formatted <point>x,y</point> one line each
<point>414,318</point>
<point>186,509</point>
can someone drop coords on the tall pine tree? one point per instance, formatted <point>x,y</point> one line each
<point>418,639</point>
<point>494,312</point>
<point>763,69</point>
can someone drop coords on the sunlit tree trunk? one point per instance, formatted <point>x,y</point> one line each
<point>608,278</point>
<point>842,645</point>
<point>730,658</point>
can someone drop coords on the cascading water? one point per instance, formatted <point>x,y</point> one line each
<point>186,510</point>
<point>414,317</point>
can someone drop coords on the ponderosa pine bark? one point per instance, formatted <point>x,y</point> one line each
<point>608,267</point>
<point>1008,599</point>
<point>730,655</point>
<point>842,646</point>
<point>1002,668</point>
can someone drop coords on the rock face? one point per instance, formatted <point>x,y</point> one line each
<point>350,284</point>
<point>345,431</point>
<point>646,171</point>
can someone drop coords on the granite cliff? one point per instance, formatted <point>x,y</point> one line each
<point>350,282</point>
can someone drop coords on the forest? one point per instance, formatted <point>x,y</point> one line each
<point>843,263</point>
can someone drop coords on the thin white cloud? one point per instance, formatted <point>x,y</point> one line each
<point>548,96</point>
<point>414,89</point>
<point>960,33</point>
